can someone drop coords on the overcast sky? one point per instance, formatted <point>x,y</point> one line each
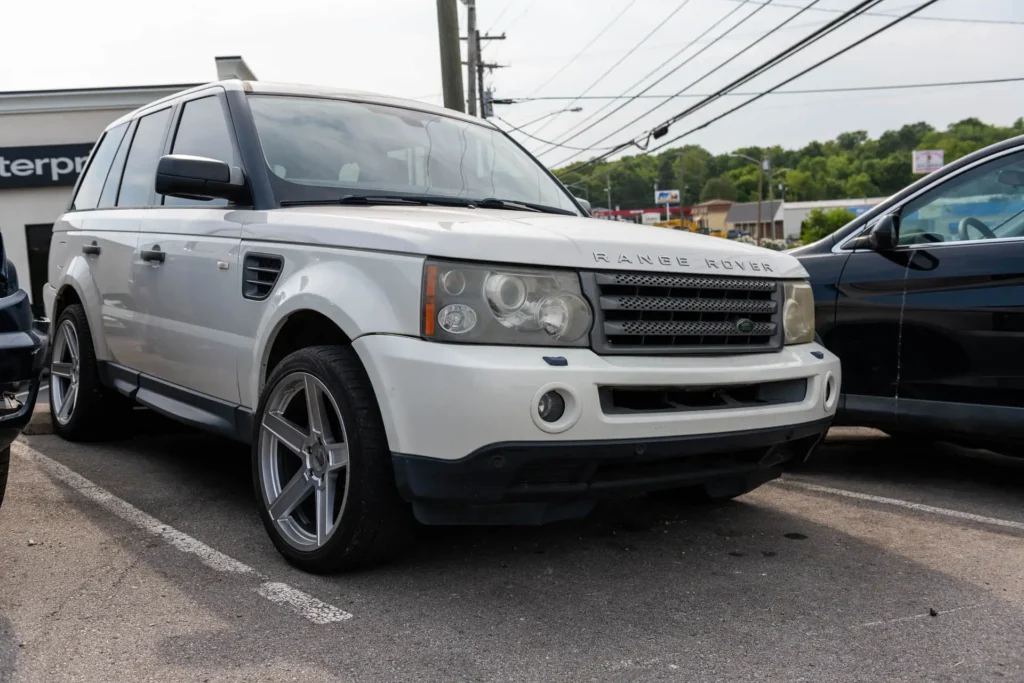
<point>390,46</point>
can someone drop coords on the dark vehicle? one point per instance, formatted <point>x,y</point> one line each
<point>22,351</point>
<point>922,298</point>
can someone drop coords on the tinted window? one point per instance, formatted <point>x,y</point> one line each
<point>108,197</point>
<point>202,132</point>
<point>140,169</point>
<point>341,147</point>
<point>986,202</point>
<point>89,190</point>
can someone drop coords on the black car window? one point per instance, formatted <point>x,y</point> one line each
<point>108,197</point>
<point>202,132</point>
<point>986,202</point>
<point>89,189</point>
<point>140,168</point>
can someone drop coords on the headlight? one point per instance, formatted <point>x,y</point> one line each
<point>798,313</point>
<point>500,305</point>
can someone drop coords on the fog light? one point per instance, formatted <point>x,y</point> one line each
<point>551,407</point>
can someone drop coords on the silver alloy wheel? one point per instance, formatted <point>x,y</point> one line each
<point>303,451</point>
<point>65,372</point>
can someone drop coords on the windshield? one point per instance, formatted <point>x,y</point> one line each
<point>322,149</point>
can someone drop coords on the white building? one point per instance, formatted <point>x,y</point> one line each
<point>45,140</point>
<point>794,213</point>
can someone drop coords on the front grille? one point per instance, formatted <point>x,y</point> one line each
<point>684,314</point>
<point>631,400</point>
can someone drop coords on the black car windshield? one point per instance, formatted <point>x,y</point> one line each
<point>319,148</point>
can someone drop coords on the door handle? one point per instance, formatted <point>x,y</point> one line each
<point>155,255</point>
<point>91,249</point>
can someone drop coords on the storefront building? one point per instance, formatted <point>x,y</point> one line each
<point>45,140</point>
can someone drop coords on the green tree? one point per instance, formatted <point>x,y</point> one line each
<point>819,224</point>
<point>718,188</point>
<point>851,165</point>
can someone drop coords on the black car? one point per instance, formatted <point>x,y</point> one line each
<point>922,298</point>
<point>22,351</point>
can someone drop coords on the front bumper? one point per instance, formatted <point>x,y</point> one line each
<point>22,356</point>
<point>536,483</point>
<point>468,446</point>
<point>449,401</point>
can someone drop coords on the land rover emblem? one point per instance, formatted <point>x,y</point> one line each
<point>744,326</point>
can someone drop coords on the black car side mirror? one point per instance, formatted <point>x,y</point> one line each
<point>191,177</point>
<point>883,236</point>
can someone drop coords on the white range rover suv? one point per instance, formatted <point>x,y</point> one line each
<point>408,316</point>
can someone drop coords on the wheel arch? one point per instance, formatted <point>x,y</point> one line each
<point>360,294</point>
<point>306,322</point>
<point>78,286</point>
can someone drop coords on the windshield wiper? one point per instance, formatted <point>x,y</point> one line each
<point>359,199</point>
<point>428,200</point>
<point>495,203</point>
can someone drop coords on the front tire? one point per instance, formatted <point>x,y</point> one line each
<point>322,467</point>
<point>81,408</point>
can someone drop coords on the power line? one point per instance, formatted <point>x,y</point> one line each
<point>883,14</point>
<point>585,48</point>
<point>777,59</point>
<point>494,23</point>
<point>900,86</point>
<point>534,137</point>
<point>520,15</point>
<point>720,66</point>
<point>566,138</point>
<point>660,25</point>
<point>511,23</point>
<point>814,66</point>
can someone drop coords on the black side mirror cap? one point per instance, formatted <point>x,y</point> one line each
<point>191,177</point>
<point>883,235</point>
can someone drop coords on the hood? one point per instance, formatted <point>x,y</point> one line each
<point>517,237</point>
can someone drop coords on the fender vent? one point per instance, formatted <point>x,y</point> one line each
<point>259,275</point>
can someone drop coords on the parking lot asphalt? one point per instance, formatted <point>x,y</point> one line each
<point>145,559</point>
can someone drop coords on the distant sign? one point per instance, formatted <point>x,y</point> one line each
<point>928,160</point>
<point>42,165</point>
<point>666,196</point>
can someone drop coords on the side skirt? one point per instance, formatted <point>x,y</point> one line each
<point>178,403</point>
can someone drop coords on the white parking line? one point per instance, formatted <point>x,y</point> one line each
<point>920,507</point>
<point>301,603</point>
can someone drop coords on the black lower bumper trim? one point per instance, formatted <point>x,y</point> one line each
<point>520,473</point>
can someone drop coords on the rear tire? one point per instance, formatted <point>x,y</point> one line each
<point>81,408</point>
<point>5,465</point>
<point>322,469</point>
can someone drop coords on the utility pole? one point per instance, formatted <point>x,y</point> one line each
<point>448,39</point>
<point>485,104</point>
<point>682,189</point>
<point>475,66</point>
<point>608,187</point>
<point>760,183</point>
<point>767,166</point>
<point>472,56</point>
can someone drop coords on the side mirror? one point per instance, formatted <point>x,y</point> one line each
<point>883,236</point>
<point>189,177</point>
<point>585,204</point>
